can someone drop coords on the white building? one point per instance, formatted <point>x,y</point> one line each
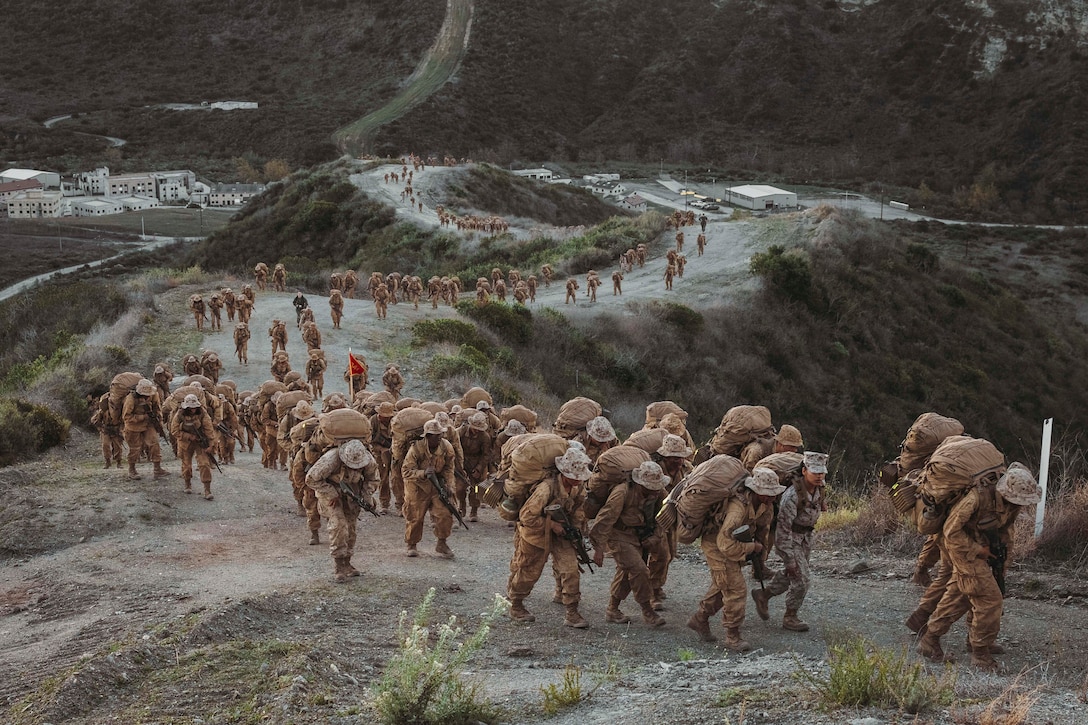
<point>608,188</point>
<point>233,194</point>
<point>138,203</point>
<point>166,186</point>
<point>760,197</point>
<point>201,194</point>
<point>593,178</point>
<point>34,204</point>
<point>11,189</point>
<point>48,179</point>
<point>537,174</point>
<point>634,202</point>
<point>91,206</point>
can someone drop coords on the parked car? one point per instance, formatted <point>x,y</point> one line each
<point>709,206</point>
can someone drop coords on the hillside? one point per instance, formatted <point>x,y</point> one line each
<point>973,108</point>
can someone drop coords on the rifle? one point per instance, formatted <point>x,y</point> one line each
<point>1000,552</point>
<point>225,429</point>
<point>556,513</point>
<point>459,473</point>
<point>345,490</point>
<point>745,535</point>
<point>444,495</point>
<point>206,445</point>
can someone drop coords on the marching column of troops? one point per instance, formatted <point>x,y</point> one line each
<point>752,488</point>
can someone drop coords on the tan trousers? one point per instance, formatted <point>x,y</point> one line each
<point>186,451</point>
<point>418,500</point>
<point>342,519</point>
<point>632,574</point>
<point>304,495</point>
<point>658,561</point>
<point>113,447</point>
<point>728,589</point>
<point>972,590</point>
<point>528,562</point>
<point>137,439</point>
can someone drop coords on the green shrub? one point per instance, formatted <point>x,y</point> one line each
<point>510,322</point>
<point>566,694</point>
<point>923,257</point>
<point>445,330</point>
<point>27,429</point>
<point>422,683</point>
<point>787,272</point>
<point>682,317</point>
<point>861,675</point>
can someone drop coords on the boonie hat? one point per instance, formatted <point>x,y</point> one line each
<point>443,418</point>
<point>303,410</point>
<point>674,447</point>
<point>478,422</point>
<point>790,436</point>
<point>145,387</point>
<point>335,401</point>
<point>1018,486</point>
<point>816,462</point>
<point>159,370</point>
<point>354,454</point>
<point>600,430</point>
<point>650,476</point>
<point>483,405</point>
<point>433,427</point>
<point>190,401</point>
<point>514,428</point>
<point>764,482</point>
<point>387,410</point>
<point>574,464</point>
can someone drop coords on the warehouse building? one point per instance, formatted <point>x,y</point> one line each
<point>760,197</point>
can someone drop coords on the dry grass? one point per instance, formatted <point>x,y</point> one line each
<point>1011,707</point>
<point>872,522</point>
<point>1065,527</point>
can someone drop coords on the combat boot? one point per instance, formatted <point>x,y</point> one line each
<point>700,623</point>
<point>557,596</point>
<point>314,538</point>
<point>929,646</point>
<point>651,617</point>
<point>132,473</point>
<point>761,597</point>
<point>208,491</point>
<point>352,571</point>
<point>982,659</point>
<point>792,622</point>
<point>412,553</point>
<point>613,613</point>
<point>734,642</point>
<point>917,620</point>
<point>574,618</point>
<point>519,613</point>
<point>342,574</point>
<point>995,648</point>
<point>472,515</point>
<point>188,486</point>
<point>921,577</point>
<point>108,463</point>
<point>301,511</point>
<point>160,471</point>
<point>443,549</point>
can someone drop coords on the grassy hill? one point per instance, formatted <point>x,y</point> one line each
<point>976,109</point>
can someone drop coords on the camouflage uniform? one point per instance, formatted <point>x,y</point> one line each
<point>341,511</point>
<point>477,447</point>
<point>798,512</point>
<point>192,428</point>
<point>142,416</point>
<point>381,443</point>
<point>420,495</point>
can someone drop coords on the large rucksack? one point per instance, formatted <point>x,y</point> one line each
<point>787,465</point>
<point>521,414</point>
<point>699,496</point>
<point>658,410</point>
<point>473,396</point>
<point>613,467</point>
<point>648,439</point>
<point>408,423</point>
<point>531,459</point>
<point>924,435</point>
<point>574,414</point>
<point>959,464</point>
<point>741,425</point>
<point>290,399</point>
<point>121,385</point>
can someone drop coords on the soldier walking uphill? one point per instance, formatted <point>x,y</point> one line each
<point>572,289</point>
<point>725,552</point>
<point>540,534</point>
<point>260,275</point>
<point>976,536</point>
<point>336,308</point>
<point>241,342</point>
<point>196,305</point>
<point>278,333</point>
<point>279,278</point>
<point>798,511</point>
<point>113,445</point>
<point>142,418</point>
<point>192,428</point>
<point>338,478</point>
<point>215,308</point>
<point>381,301</point>
<point>431,457</point>
<point>227,294</point>
<point>476,442</point>
<point>381,443</point>
<point>626,526</point>
<point>617,283</point>
<point>672,456</point>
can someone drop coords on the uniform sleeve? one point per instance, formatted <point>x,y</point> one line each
<point>209,431</point>
<point>736,515</point>
<point>175,425</point>
<point>326,466</point>
<point>608,516</point>
<point>447,469</point>
<point>962,549</point>
<point>787,512</point>
<point>372,479</point>
<point>531,515</point>
<point>413,469</point>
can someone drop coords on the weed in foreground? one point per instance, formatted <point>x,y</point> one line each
<point>422,682</point>
<point>685,655</point>
<point>1011,707</point>
<point>567,693</point>
<point>861,674</point>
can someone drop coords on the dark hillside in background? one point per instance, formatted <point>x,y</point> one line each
<point>980,109</point>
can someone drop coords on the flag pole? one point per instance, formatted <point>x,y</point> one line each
<point>351,382</point>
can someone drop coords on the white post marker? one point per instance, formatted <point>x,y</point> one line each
<point>1044,473</point>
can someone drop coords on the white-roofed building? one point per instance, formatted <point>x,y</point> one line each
<point>34,204</point>
<point>48,179</point>
<point>760,197</point>
<point>139,203</point>
<point>634,202</point>
<point>95,206</point>
<point>537,174</point>
<point>608,188</point>
<point>233,194</point>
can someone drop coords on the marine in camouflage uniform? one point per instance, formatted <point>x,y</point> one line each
<point>192,428</point>
<point>672,456</point>
<point>349,465</point>
<point>142,420</point>
<point>798,511</point>
<point>539,536</point>
<point>113,445</point>
<point>432,455</point>
<point>381,444</point>
<point>476,443</point>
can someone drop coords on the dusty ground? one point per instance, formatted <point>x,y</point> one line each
<point>128,601</point>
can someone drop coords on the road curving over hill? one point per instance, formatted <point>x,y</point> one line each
<point>437,66</point>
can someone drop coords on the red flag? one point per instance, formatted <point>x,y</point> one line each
<point>355,367</point>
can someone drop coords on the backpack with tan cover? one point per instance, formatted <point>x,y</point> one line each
<point>924,435</point>
<point>520,413</point>
<point>959,464</point>
<point>741,425</point>
<point>473,396</point>
<point>756,451</point>
<point>408,423</point>
<point>432,407</point>
<point>574,414</point>
<point>786,465</point>
<point>290,399</point>
<point>532,458</point>
<point>613,467</point>
<point>121,385</point>
<point>699,496</point>
<point>648,439</point>
<point>267,390</point>
<point>344,424</point>
<point>656,411</point>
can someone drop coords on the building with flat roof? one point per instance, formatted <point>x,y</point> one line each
<point>48,179</point>
<point>10,189</point>
<point>537,174</point>
<point>34,204</point>
<point>95,206</point>
<point>233,194</point>
<point>760,197</point>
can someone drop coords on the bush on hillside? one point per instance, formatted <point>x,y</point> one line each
<point>27,430</point>
<point>510,322</point>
